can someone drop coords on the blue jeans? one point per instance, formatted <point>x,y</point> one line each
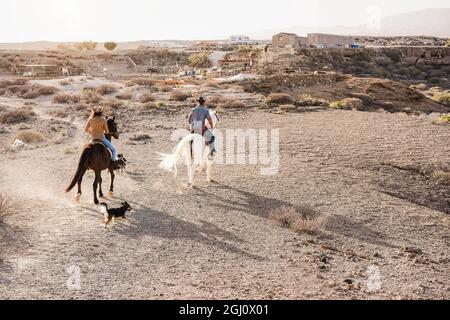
<point>110,147</point>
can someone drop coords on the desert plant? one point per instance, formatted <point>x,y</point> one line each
<point>14,82</point>
<point>279,98</point>
<point>305,100</point>
<point>110,46</point>
<point>140,82</point>
<point>6,206</point>
<point>348,104</point>
<point>445,118</point>
<point>85,45</point>
<point>443,98</point>
<point>23,114</point>
<point>112,103</point>
<point>37,90</point>
<point>66,98</point>
<point>146,97</point>
<point>200,60</point>
<point>90,97</point>
<point>179,96</point>
<point>442,177</point>
<point>232,104</point>
<point>105,89</point>
<point>124,96</point>
<point>29,136</point>
<point>302,219</point>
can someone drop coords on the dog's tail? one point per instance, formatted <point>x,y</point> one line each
<point>104,210</point>
<point>168,161</point>
<point>81,166</point>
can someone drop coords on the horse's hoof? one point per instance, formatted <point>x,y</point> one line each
<point>190,185</point>
<point>102,196</point>
<point>111,194</point>
<point>77,198</point>
<point>96,202</point>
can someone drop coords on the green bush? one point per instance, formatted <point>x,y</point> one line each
<point>110,46</point>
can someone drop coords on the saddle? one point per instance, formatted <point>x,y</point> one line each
<point>97,141</point>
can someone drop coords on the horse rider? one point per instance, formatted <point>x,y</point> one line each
<point>97,127</point>
<point>197,123</point>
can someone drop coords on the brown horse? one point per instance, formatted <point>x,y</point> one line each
<point>96,157</point>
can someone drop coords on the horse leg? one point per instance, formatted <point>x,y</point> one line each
<point>94,186</point>
<point>113,175</point>
<point>190,167</point>
<point>209,164</point>
<point>100,192</point>
<point>80,180</point>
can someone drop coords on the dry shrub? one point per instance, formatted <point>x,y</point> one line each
<point>110,46</point>
<point>445,118</point>
<point>443,98</point>
<point>91,97</point>
<point>20,115</point>
<point>18,91</point>
<point>279,98</point>
<point>37,90</point>
<point>442,177</point>
<point>348,104</point>
<point>105,89</point>
<point>29,136</point>
<point>146,97</point>
<point>60,113</point>
<point>124,95</point>
<point>165,88</point>
<point>200,60</point>
<point>232,104</point>
<point>66,98</point>
<point>302,220</point>
<point>179,96</point>
<point>6,207</point>
<point>140,82</point>
<point>306,100</point>
<point>112,103</point>
<point>2,92</point>
<point>286,108</point>
<point>64,83</point>
<point>215,100</point>
<point>13,82</point>
<point>80,107</point>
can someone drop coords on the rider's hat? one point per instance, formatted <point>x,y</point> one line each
<point>201,100</point>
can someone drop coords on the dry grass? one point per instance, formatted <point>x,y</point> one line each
<point>20,115</point>
<point>29,136</point>
<point>232,104</point>
<point>13,82</point>
<point>146,97</point>
<point>124,95</point>
<point>6,207</point>
<point>348,104</point>
<point>165,88</point>
<point>112,103</point>
<point>200,60</point>
<point>140,82</point>
<point>306,100</point>
<point>66,98</point>
<point>179,96</point>
<point>105,89</point>
<point>443,98</point>
<point>442,177</point>
<point>445,118</point>
<point>91,97</point>
<point>36,90</point>
<point>279,98</point>
<point>302,220</point>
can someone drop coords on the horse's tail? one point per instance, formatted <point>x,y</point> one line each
<point>168,161</point>
<point>81,165</point>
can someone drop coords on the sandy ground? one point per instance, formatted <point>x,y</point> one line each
<point>387,235</point>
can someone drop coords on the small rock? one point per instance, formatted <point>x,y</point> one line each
<point>412,250</point>
<point>377,255</point>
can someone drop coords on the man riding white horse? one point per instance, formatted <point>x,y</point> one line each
<point>197,124</point>
<point>198,147</point>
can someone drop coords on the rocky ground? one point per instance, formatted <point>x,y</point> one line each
<point>370,173</point>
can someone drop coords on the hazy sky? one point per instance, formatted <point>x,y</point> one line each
<point>122,20</point>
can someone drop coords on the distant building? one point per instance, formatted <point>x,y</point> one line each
<point>285,39</point>
<point>322,40</point>
<point>239,39</point>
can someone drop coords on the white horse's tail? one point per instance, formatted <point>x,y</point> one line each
<point>168,161</point>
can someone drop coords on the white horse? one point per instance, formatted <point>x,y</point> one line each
<point>186,147</point>
<point>65,72</point>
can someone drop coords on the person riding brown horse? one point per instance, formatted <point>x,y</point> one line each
<point>95,155</point>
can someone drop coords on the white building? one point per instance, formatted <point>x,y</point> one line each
<point>239,39</point>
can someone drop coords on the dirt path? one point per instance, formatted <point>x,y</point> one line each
<point>216,241</point>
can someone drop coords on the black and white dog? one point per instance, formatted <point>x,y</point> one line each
<point>113,213</point>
